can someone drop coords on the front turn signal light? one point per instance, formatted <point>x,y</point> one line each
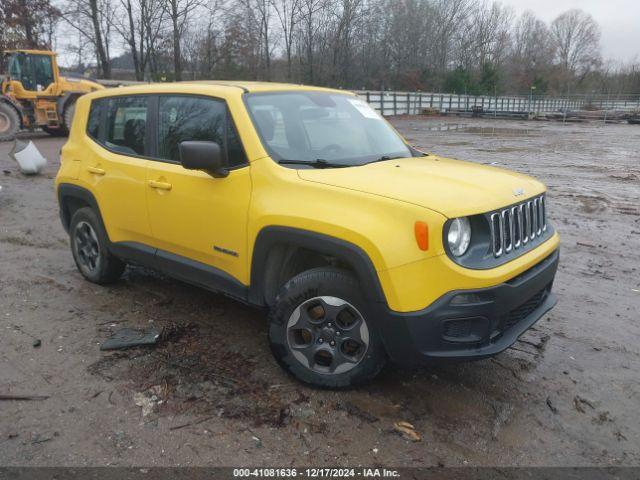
<point>421,230</point>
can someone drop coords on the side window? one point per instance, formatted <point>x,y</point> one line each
<point>183,118</point>
<point>95,116</point>
<point>126,124</point>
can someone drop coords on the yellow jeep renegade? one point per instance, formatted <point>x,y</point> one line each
<point>306,202</point>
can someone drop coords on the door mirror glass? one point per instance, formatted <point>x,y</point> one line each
<point>202,155</point>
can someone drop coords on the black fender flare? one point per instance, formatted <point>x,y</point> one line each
<point>347,252</point>
<point>67,191</point>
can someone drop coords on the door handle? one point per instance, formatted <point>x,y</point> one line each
<point>96,170</point>
<point>159,185</point>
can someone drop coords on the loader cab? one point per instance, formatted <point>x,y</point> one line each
<point>32,71</point>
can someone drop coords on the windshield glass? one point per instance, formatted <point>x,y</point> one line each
<point>336,128</point>
<point>35,72</point>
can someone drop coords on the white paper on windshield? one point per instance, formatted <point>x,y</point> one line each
<point>364,108</point>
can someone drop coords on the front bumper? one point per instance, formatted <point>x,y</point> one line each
<point>478,324</point>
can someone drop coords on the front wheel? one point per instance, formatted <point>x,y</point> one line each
<point>319,331</point>
<point>9,122</point>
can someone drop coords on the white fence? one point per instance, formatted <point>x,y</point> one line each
<point>413,103</point>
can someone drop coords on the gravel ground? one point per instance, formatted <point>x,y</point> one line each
<point>566,394</point>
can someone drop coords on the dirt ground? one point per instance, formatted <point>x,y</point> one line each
<point>566,394</point>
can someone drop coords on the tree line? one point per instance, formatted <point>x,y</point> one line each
<point>460,46</point>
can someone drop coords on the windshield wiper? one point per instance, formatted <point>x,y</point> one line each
<point>317,163</point>
<point>384,158</point>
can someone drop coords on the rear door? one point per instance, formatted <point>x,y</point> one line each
<point>193,216</point>
<point>114,165</point>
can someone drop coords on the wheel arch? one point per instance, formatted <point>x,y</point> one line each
<point>71,198</point>
<point>277,247</point>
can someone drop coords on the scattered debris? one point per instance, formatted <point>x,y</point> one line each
<point>579,403</point>
<point>39,439</point>
<point>602,418</point>
<point>619,435</point>
<point>128,337</point>
<point>189,424</point>
<point>407,430</point>
<point>23,397</point>
<point>28,157</point>
<point>148,400</point>
<point>258,441</point>
<point>356,411</point>
<point>551,406</point>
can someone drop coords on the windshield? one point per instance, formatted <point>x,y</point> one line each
<point>35,72</point>
<point>310,126</point>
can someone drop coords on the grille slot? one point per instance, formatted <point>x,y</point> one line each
<point>523,311</point>
<point>514,227</point>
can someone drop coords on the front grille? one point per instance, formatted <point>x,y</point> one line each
<point>514,227</point>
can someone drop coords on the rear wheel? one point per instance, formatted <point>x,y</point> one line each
<point>69,112</point>
<point>320,332</point>
<point>9,122</point>
<point>89,246</point>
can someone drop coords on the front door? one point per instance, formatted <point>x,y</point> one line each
<point>197,220</point>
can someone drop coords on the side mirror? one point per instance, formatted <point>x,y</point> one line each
<point>207,156</point>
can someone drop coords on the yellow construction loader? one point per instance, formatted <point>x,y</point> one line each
<point>34,95</point>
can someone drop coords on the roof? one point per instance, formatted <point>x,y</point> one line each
<point>32,52</point>
<point>224,88</point>
<point>251,86</point>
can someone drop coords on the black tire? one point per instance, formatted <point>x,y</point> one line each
<point>69,112</point>
<point>9,122</point>
<point>89,246</point>
<point>307,335</point>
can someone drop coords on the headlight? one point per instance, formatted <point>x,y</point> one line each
<point>459,236</point>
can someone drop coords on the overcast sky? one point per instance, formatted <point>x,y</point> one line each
<point>619,21</point>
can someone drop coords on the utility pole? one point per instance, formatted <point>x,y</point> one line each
<point>533,87</point>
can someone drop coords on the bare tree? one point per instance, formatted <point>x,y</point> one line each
<point>532,52</point>
<point>288,13</point>
<point>139,23</point>
<point>460,45</point>
<point>93,19</point>
<point>577,40</point>
<point>313,15</point>
<point>449,17</point>
<point>259,14</point>
<point>178,12</point>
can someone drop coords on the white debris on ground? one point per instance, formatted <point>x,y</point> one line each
<point>28,157</point>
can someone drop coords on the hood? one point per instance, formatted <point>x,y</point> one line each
<point>451,187</point>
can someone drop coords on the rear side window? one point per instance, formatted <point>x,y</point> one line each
<point>126,125</point>
<point>95,117</point>
<point>182,118</point>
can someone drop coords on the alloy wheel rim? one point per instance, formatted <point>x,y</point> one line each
<point>328,335</point>
<point>87,246</point>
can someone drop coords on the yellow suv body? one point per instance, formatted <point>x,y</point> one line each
<point>305,201</point>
